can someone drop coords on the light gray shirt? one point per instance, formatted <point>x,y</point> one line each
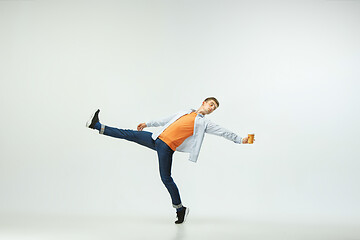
<point>193,143</point>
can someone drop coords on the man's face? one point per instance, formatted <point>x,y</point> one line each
<point>209,106</point>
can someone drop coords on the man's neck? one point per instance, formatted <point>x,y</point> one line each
<point>201,111</point>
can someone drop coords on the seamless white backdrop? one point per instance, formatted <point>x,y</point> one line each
<point>286,70</point>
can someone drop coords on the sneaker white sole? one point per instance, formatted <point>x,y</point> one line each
<point>186,213</point>
<point>89,121</point>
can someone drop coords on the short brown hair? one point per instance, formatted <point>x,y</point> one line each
<point>212,98</point>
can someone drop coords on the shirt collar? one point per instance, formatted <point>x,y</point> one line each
<point>199,114</point>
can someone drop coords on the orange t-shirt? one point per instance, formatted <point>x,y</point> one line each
<point>178,131</point>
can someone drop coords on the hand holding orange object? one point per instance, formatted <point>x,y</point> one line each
<point>251,138</point>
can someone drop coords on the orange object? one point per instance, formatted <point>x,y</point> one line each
<point>177,132</point>
<point>251,138</point>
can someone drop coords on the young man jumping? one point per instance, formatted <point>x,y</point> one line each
<point>183,132</point>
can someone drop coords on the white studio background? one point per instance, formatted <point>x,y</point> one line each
<point>286,70</point>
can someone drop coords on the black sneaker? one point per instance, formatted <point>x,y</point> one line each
<point>181,215</point>
<point>93,120</point>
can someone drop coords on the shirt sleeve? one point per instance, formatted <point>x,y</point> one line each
<point>159,122</point>
<point>217,130</point>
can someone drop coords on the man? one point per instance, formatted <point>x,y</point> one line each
<point>182,132</point>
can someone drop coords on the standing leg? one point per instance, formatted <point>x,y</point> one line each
<point>165,154</point>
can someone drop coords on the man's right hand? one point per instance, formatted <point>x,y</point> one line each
<point>141,126</point>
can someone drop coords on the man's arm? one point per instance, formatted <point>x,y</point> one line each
<point>155,123</point>
<point>217,130</point>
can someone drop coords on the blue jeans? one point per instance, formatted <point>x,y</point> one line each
<point>165,154</point>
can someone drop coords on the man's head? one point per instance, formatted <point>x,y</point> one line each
<point>209,105</point>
